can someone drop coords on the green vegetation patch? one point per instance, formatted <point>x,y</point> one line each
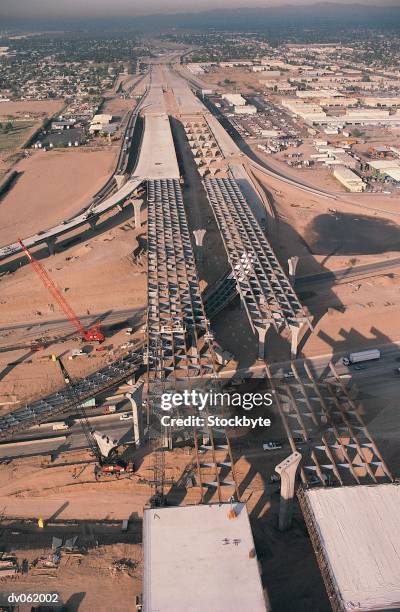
<point>13,134</point>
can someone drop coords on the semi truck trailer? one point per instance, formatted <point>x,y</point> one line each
<point>361,356</point>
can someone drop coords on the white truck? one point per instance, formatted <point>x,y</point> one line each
<point>361,356</point>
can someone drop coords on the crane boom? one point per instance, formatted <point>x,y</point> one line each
<point>92,334</point>
<point>107,462</point>
<point>84,422</point>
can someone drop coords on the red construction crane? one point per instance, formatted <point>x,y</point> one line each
<point>92,334</point>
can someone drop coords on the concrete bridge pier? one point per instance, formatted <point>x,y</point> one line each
<point>292,263</point>
<point>51,245</point>
<point>287,470</point>
<point>222,357</point>
<point>120,179</point>
<point>261,333</point>
<point>296,334</point>
<point>92,223</point>
<point>134,395</point>
<point>137,205</point>
<point>199,238</point>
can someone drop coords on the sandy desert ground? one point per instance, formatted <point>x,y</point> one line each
<point>53,186</point>
<point>119,297</point>
<point>33,108</point>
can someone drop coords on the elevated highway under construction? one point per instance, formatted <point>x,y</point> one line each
<point>180,346</point>
<point>178,332</point>
<point>330,443</point>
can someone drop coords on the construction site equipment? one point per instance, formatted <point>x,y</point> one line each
<point>107,459</point>
<point>92,334</point>
<point>60,402</point>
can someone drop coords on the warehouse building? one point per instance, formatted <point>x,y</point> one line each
<point>360,114</point>
<point>98,122</point>
<point>200,558</point>
<point>349,179</point>
<point>234,99</point>
<point>310,113</point>
<point>355,533</point>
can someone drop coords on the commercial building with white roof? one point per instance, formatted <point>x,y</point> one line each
<point>351,181</point>
<point>234,99</point>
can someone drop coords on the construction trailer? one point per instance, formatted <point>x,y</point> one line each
<point>355,533</point>
<point>201,558</point>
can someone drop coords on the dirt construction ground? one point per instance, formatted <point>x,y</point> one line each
<point>33,108</point>
<point>52,187</point>
<point>339,235</point>
<point>65,495</point>
<point>30,314</point>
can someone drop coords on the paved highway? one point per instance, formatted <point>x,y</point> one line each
<point>44,440</point>
<point>378,377</point>
<point>349,273</point>
<point>375,379</point>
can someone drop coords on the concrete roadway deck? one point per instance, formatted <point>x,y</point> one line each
<point>187,102</point>
<point>157,155</point>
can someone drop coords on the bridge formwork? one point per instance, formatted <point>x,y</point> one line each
<point>264,288</point>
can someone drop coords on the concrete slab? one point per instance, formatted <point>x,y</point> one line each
<point>359,532</point>
<point>196,559</point>
<point>225,142</point>
<point>157,154</point>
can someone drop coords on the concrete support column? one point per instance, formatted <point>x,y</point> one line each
<point>292,263</point>
<point>137,204</point>
<point>120,179</point>
<point>92,222</point>
<point>135,398</point>
<point>287,470</point>
<point>261,333</point>
<point>222,356</point>
<point>199,238</point>
<point>167,438</point>
<point>296,334</point>
<point>51,245</point>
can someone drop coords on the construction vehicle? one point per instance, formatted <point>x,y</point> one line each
<point>110,409</point>
<point>102,447</point>
<point>92,334</point>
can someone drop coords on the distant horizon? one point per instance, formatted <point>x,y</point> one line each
<point>98,9</point>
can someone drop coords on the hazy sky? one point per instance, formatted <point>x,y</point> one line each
<point>100,8</point>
